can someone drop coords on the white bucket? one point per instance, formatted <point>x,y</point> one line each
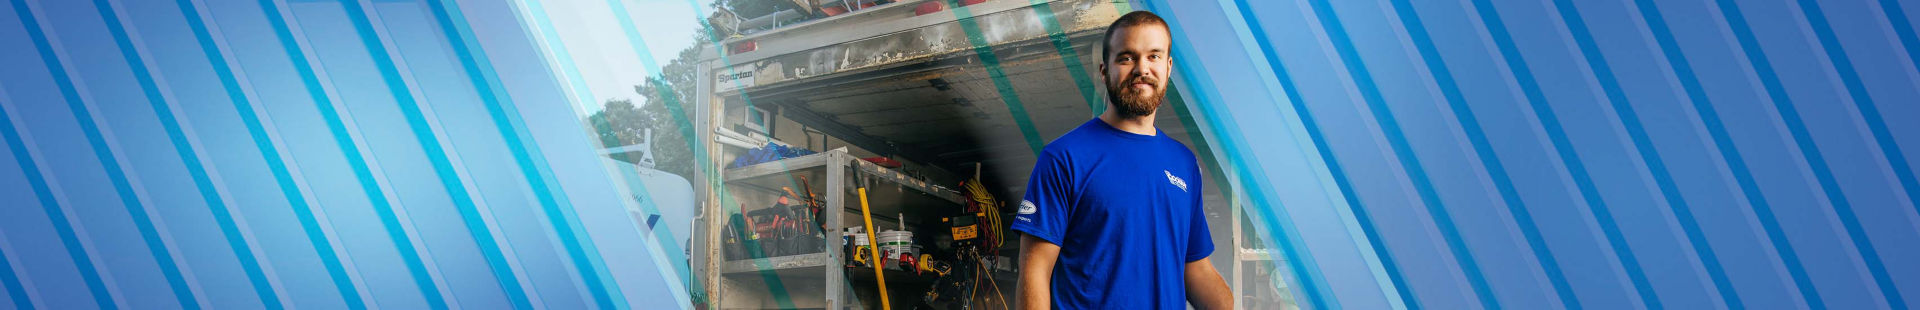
<point>895,242</point>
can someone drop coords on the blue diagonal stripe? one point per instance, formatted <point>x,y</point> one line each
<point>1729,154</point>
<point>1557,136</point>
<point>1410,164</point>
<point>1482,149</point>
<point>223,214</point>
<point>525,152</point>
<point>1643,146</point>
<point>411,109</point>
<point>1317,294</point>
<point>1870,114</point>
<point>305,213</point>
<point>142,221</point>
<point>8,279</point>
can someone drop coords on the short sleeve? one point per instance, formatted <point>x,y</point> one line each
<point>1048,203</point>
<point>1199,238</point>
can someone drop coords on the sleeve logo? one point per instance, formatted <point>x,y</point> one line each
<point>1176,181</point>
<point>1027,207</point>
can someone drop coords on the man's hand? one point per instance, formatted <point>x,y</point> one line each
<point>1035,288</point>
<point>1205,289</point>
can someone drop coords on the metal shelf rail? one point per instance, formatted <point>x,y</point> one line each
<point>911,196</point>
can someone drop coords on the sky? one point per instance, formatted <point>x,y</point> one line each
<point>602,51</point>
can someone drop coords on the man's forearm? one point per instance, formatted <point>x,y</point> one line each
<point>1206,290</point>
<point>1035,289</point>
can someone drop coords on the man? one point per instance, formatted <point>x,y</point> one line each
<point>1112,216</point>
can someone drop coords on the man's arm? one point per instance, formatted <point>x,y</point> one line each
<point>1205,289</point>
<point>1035,288</point>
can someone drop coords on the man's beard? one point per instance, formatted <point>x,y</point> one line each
<point>1132,102</point>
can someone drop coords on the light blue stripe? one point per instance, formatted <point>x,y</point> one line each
<point>767,274</point>
<point>118,178</point>
<point>307,216</point>
<point>490,247</point>
<point>9,280</point>
<point>531,163</point>
<point>1729,154</point>
<point>1410,163</point>
<point>223,214</point>
<point>1637,133</point>
<point>664,238</point>
<point>188,156</point>
<point>82,262</point>
<point>1783,105</point>
<point>1543,112</point>
<point>1483,150</point>
<point>1871,115</point>
<point>1298,258</point>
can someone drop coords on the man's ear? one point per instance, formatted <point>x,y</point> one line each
<point>1103,69</point>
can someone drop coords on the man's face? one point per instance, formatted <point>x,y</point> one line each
<point>1136,69</point>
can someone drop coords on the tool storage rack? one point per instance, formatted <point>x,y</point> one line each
<point>835,175</point>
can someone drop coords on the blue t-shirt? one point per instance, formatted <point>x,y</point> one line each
<point>1125,210</point>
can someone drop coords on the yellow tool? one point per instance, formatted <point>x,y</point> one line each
<point>926,265</point>
<point>867,215</point>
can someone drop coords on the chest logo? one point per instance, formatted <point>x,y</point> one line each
<point>1176,181</point>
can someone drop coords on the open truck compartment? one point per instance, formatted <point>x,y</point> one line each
<point>907,102</point>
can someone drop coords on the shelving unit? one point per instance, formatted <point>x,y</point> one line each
<point>892,196</point>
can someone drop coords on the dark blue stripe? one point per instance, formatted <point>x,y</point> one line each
<point>188,156</point>
<point>1871,115</point>
<point>1333,164</point>
<point>1903,29</point>
<point>1729,154</point>
<point>223,217</point>
<point>1483,149</point>
<point>1643,145</point>
<point>1409,163</point>
<point>121,185</point>
<point>1287,238</point>
<point>315,233</point>
<point>520,143</point>
<point>61,226</point>
<point>442,166</point>
<point>1557,135</point>
<point>1784,106</point>
<point>8,279</point>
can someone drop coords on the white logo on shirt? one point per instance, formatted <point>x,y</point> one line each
<point>1027,207</point>
<point>1177,182</point>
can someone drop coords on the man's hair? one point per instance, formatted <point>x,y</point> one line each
<point>1135,18</point>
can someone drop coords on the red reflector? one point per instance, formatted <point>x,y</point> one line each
<point>971,2</point>
<point>929,7</point>
<point>742,47</point>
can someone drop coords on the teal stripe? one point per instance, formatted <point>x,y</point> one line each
<point>982,48</point>
<point>558,49</point>
<point>532,164</point>
<point>188,157</point>
<point>1300,262</point>
<point>1061,45</point>
<point>223,214</point>
<point>351,151</point>
<point>767,273</point>
<point>476,221</point>
<point>664,238</point>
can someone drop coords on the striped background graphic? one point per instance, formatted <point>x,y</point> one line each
<point>1445,154</point>
<point>1598,154</point>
